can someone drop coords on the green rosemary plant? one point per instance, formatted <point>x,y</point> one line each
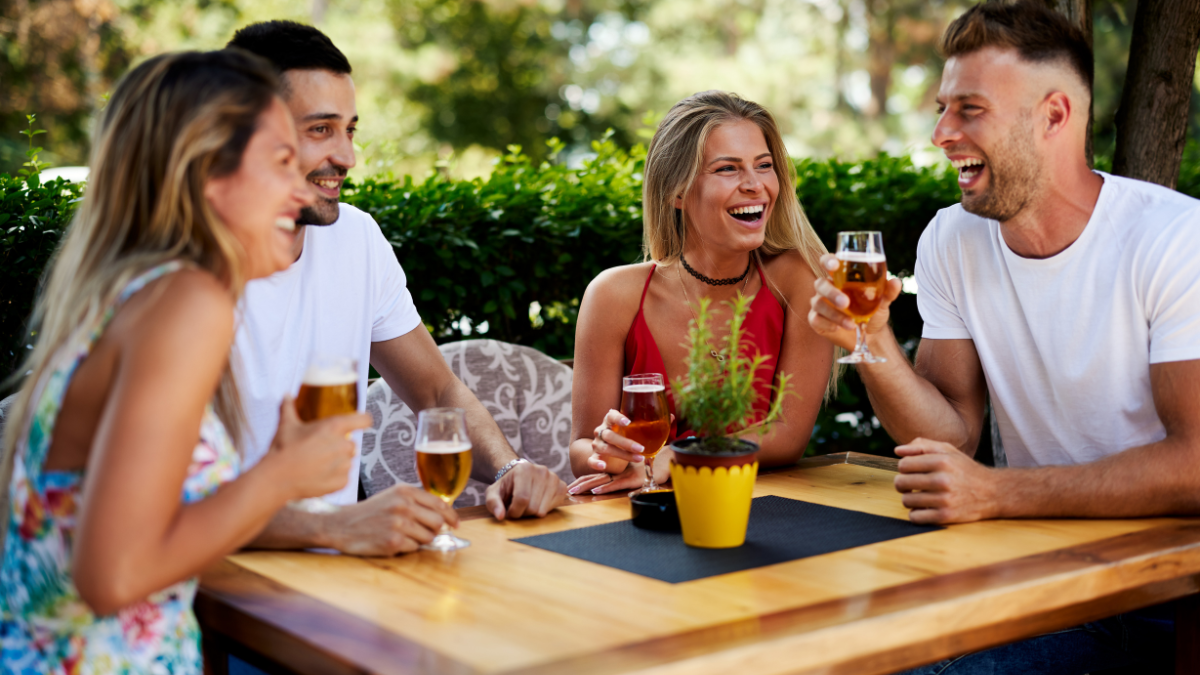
<point>717,397</point>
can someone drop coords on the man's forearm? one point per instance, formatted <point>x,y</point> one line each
<point>490,448</point>
<point>292,528</point>
<point>907,405</point>
<point>1162,478</point>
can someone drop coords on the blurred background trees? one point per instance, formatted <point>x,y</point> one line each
<point>455,82</point>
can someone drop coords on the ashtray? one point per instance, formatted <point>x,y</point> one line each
<point>655,511</point>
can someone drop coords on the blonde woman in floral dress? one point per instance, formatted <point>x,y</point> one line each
<point>122,479</point>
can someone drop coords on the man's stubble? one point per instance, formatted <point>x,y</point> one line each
<point>1016,175</point>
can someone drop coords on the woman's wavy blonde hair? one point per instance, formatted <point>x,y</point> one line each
<point>673,162</point>
<point>173,123</point>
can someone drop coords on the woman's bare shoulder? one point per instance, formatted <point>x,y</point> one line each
<point>183,306</point>
<point>791,274</point>
<point>620,285</point>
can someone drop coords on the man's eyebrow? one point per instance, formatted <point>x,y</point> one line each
<point>960,97</point>
<point>315,117</point>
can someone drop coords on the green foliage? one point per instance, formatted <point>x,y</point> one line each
<point>33,165</point>
<point>884,193</point>
<point>717,397</point>
<point>514,251</point>
<point>510,65</point>
<point>33,217</point>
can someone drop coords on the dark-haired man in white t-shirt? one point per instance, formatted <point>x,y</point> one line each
<point>1070,296</point>
<point>346,295</point>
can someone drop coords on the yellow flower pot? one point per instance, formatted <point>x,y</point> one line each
<point>714,503</point>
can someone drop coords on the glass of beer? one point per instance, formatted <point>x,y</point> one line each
<point>443,463</point>
<point>330,387</point>
<point>644,402</point>
<point>862,276</point>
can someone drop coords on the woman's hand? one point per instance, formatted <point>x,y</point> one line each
<point>314,458</point>
<point>632,477</point>
<point>610,450</point>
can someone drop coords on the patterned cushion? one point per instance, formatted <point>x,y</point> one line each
<point>527,393</point>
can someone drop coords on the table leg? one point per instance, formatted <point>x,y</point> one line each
<point>1187,635</point>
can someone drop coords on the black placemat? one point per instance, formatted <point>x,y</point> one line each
<point>780,530</point>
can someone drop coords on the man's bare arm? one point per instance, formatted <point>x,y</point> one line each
<point>1156,479</point>
<point>942,397</point>
<point>414,368</point>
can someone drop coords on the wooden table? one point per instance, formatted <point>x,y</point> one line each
<point>502,607</point>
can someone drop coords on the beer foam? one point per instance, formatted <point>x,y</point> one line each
<point>443,447</point>
<point>317,376</point>
<point>643,388</point>
<point>861,257</point>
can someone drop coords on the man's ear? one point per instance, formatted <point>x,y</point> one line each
<point>1057,110</point>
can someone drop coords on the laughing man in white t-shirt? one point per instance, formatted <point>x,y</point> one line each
<point>346,295</point>
<point>1071,297</point>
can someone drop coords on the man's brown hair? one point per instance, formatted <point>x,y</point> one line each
<point>1038,33</point>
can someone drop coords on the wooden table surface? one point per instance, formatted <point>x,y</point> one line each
<point>502,607</point>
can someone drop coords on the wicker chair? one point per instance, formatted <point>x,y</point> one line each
<point>526,392</point>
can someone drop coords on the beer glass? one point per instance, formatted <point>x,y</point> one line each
<point>862,276</point>
<point>644,402</point>
<point>330,387</point>
<point>443,463</point>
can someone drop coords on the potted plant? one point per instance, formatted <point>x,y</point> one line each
<point>713,472</point>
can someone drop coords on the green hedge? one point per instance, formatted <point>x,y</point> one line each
<point>534,235</point>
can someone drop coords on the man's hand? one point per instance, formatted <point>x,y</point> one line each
<point>942,485</point>
<point>828,316</point>
<point>526,490</point>
<point>397,520</point>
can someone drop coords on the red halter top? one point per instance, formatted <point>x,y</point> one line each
<point>764,335</point>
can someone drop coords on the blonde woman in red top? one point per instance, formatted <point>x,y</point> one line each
<point>721,218</point>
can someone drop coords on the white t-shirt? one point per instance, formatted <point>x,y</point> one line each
<point>1066,342</point>
<point>346,291</point>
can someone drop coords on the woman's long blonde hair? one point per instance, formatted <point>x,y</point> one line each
<point>173,122</point>
<point>674,160</point>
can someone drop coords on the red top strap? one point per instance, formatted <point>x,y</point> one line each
<point>764,332</point>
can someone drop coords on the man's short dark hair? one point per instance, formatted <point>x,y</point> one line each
<point>1038,33</point>
<point>288,45</point>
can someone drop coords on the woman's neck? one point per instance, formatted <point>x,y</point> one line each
<point>717,264</point>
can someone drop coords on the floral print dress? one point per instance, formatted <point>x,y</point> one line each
<point>44,625</point>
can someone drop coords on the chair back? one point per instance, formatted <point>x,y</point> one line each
<point>526,392</point>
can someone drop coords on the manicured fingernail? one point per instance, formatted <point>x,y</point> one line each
<point>626,421</point>
<point>574,490</point>
<point>831,264</point>
<point>638,458</point>
<point>596,491</point>
<point>637,447</point>
<point>843,301</point>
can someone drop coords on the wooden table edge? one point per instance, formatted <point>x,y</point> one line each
<point>232,600</point>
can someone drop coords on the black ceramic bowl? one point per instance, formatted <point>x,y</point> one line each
<point>655,511</point>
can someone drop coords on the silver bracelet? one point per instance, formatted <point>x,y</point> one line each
<point>505,469</point>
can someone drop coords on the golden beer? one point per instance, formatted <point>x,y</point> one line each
<point>863,278</point>
<point>327,392</point>
<point>646,407</point>
<point>444,467</point>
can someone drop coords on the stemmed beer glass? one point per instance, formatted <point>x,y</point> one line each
<point>861,275</point>
<point>644,402</point>
<point>444,464</point>
<point>329,387</point>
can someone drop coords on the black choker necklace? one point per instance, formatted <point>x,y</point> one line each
<point>714,282</point>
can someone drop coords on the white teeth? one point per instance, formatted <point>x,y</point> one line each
<point>285,223</point>
<point>330,184</point>
<point>757,208</point>
<point>970,161</point>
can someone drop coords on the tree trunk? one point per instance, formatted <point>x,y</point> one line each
<point>1080,14</point>
<point>1153,115</point>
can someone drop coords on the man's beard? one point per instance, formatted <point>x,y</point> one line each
<point>1015,176</point>
<point>323,211</point>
